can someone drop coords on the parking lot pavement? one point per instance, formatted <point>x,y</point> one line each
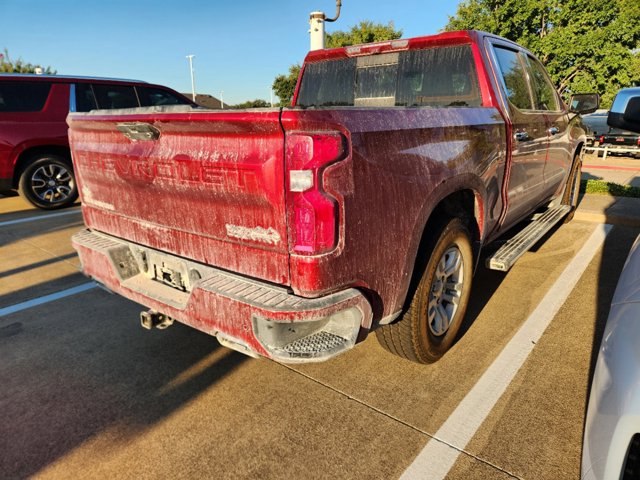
<point>615,169</point>
<point>36,251</point>
<point>537,425</point>
<point>88,393</point>
<point>99,397</point>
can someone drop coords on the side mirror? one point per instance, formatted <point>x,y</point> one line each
<point>625,111</point>
<point>584,103</point>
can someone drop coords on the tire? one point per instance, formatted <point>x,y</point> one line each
<point>422,334</point>
<point>48,182</point>
<point>572,190</point>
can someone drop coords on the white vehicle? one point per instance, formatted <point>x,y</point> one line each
<point>611,448</point>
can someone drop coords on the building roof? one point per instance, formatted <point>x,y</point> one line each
<point>207,101</point>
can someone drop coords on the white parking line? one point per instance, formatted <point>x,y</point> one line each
<point>442,451</point>
<point>39,217</point>
<point>46,299</point>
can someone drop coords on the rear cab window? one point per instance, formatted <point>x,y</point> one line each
<point>23,96</point>
<point>430,77</point>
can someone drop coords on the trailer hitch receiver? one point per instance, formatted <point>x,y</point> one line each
<point>151,318</point>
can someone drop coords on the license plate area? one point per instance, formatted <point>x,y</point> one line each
<point>168,270</point>
<point>619,139</point>
<point>169,276</point>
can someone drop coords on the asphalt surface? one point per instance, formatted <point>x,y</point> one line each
<point>87,393</point>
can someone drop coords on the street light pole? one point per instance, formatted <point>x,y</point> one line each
<point>193,82</point>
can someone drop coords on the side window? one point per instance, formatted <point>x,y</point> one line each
<point>544,94</point>
<point>515,78</point>
<point>438,77</point>
<point>115,96</point>
<point>156,96</point>
<point>85,100</point>
<point>23,96</point>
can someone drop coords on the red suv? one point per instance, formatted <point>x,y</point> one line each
<point>34,149</point>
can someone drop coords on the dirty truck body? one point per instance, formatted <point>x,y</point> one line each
<point>292,233</point>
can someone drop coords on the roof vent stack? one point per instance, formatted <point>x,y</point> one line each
<point>316,26</point>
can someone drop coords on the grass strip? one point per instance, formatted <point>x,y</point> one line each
<point>600,187</point>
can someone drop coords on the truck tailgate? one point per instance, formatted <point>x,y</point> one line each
<point>207,186</point>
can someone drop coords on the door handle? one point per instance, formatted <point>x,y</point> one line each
<point>553,131</point>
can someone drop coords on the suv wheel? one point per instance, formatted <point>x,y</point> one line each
<point>48,182</point>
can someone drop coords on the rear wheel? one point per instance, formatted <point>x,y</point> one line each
<point>48,182</point>
<point>572,190</point>
<point>430,325</point>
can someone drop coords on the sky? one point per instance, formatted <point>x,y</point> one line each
<point>239,46</point>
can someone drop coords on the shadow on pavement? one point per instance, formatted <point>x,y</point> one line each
<point>589,176</point>
<point>23,293</point>
<point>485,284</point>
<point>14,233</point>
<point>78,367</point>
<point>17,214</point>
<point>33,266</point>
<point>14,207</point>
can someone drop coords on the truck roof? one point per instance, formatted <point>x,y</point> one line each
<point>440,39</point>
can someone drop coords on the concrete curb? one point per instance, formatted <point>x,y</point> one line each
<point>620,211</point>
<point>595,217</point>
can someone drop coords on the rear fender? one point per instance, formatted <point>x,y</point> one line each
<point>430,208</point>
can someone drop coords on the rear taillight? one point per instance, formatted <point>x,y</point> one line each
<point>601,139</point>
<point>638,141</point>
<point>313,214</point>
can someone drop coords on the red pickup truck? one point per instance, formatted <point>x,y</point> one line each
<point>292,233</point>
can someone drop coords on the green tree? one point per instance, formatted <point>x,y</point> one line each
<point>257,103</point>
<point>364,32</point>
<point>285,85</point>
<point>586,46</point>
<point>19,66</point>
